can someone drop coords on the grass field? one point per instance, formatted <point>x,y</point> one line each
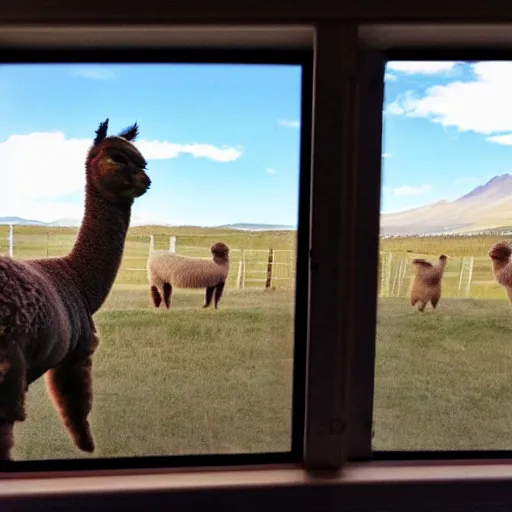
<point>194,381</point>
<point>185,381</point>
<point>444,379</point>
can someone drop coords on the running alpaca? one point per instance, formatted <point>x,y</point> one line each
<point>166,270</point>
<point>501,266</point>
<point>46,305</point>
<point>426,285</point>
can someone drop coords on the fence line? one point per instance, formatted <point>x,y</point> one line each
<point>394,269</point>
<point>250,267</point>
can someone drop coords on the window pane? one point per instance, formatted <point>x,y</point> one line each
<point>443,375</point>
<point>217,224</point>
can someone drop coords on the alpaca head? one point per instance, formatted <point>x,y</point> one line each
<point>115,167</point>
<point>500,251</point>
<point>220,251</point>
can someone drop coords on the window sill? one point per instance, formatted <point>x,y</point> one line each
<point>369,473</point>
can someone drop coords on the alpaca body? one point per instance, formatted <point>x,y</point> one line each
<point>46,305</point>
<point>34,313</point>
<point>426,286</point>
<point>502,266</point>
<point>166,270</point>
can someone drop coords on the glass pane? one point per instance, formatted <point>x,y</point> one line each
<point>216,227</point>
<point>444,333</point>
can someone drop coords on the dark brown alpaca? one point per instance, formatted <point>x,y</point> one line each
<point>501,265</point>
<point>46,305</point>
<point>426,286</point>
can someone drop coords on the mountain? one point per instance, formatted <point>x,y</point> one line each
<point>259,227</point>
<point>487,206</point>
<point>139,221</point>
<point>19,220</point>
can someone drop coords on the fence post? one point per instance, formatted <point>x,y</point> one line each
<point>270,264</point>
<point>151,243</point>
<point>172,244</point>
<point>242,268</point>
<point>239,275</point>
<point>47,244</point>
<point>11,240</point>
<point>472,261</point>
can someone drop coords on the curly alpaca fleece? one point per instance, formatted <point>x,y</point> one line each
<point>46,305</point>
<point>501,265</point>
<point>166,270</point>
<point>426,286</point>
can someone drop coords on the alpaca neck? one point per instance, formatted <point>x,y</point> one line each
<point>499,266</point>
<point>98,250</point>
<point>441,266</point>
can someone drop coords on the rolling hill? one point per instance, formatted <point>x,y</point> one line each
<point>488,206</point>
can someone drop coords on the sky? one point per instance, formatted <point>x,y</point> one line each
<point>447,128</point>
<point>222,141</point>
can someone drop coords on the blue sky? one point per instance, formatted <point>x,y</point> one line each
<point>447,129</point>
<point>246,117</point>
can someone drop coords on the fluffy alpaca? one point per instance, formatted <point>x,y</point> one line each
<point>501,266</point>
<point>426,285</point>
<point>46,305</point>
<point>166,270</point>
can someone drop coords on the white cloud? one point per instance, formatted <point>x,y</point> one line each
<point>94,73</point>
<point>39,169</point>
<point>505,140</point>
<point>289,123</point>
<point>389,77</point>
<point>408,190</point>
<point>270,171</point>
<point>387,155</point>
<point>481,104</point>
<point>162,150</point>
<point>421,67</point>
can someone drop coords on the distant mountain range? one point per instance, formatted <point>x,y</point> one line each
<point>486,207</point>
<point>135,221</point>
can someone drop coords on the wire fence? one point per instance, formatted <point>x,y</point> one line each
<point>249,268</point>
<point>464,277</point>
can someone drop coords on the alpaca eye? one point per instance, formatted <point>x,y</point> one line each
<point>120,159</point>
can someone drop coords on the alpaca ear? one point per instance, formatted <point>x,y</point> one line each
<point>130,133</point>
<point>101,132</point>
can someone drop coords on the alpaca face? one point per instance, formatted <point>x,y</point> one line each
<point>500,251</point>
<point>220,250</point>
<point>116,167</point>
<point>119,170</point>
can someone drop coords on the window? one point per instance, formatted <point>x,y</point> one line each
<point>340,361</point>
<point>224,141</point>
<point>442,375</point>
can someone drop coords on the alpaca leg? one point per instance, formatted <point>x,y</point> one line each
<point>435,299</point>
<point>167,294</point>
<point>209,296</point>
<point>70,387</point>
<point>421,305</point>
<point>6,439</point>
<point>155,295</point>
<point>218,293</point>
<point>12,398</point>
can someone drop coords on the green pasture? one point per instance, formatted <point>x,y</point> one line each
<point>184,381</point>
<point>195,381</point>
<point>443,379</point>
